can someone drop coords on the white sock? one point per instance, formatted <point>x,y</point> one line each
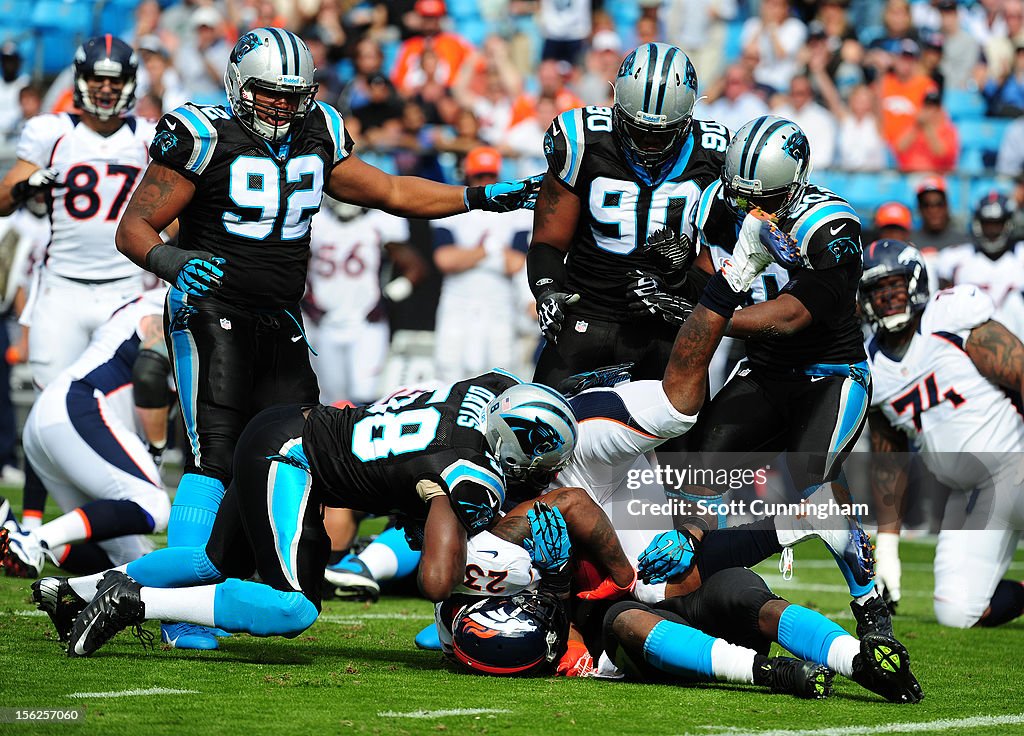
<point>380,560</point>
<point>189,605</point>
<point>841,653</point>
<point>834,531</point>
<point>28,523</point>
<point>732,663</point>
<point>64,529</point>
<point>861,600</point>
<point>85,586</point>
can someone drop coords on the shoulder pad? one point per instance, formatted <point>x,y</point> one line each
<point>186,138</point>
<point>336,128</point>
<point>39,135</point>
<point>564,144</point>
<point>476,492</point>
<point>828,233</point>
<point>957,310</point>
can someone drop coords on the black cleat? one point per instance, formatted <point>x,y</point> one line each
<point>873,617</point>
<point>883,667</point>
<point>794,676</point>
<point>60,602</point>
<point>116,606</point>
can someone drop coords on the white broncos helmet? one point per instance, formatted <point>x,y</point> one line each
<point>766,165</point>
<point>531,429</point>
<point>272,60</point>
<point>655,92</point>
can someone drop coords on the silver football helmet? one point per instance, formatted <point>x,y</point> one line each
<point>655,92</point>
<point>270,60</point>
<point>766,165</point>
<point>531,429</point>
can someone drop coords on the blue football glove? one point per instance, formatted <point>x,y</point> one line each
<point>601,378</point>
<point>549,546</point>
<point>669,554</point>
<point>504,196</point>
<point>782,247</point>
<point>200,275</point>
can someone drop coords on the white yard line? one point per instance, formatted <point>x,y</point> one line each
<point>443,713</point>
<point>135,693</point>
<point>940,725</point>
<point>331,618</point>
<point>776,581</point>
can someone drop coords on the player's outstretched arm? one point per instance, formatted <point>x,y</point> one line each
<point>997,354</point>
<point>357,182</point>
<point>443,562</point>
<point>160,197</point>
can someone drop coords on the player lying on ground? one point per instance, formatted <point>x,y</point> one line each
<point>429,456</point>
<point>941,365</point>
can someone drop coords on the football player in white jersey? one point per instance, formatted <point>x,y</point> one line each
<point>940,365</point>
<point>87,164</point>
<point>479,254</point>
<point>94,437</point>
<point>351,336</point>
<point>994,261</point>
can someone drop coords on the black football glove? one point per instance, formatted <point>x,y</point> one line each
<point>551,312</point>
<point>504,196</point>
<point>38,181</point>
<point>648,297</point>
<point>668,253</point>
<point>606,377</point>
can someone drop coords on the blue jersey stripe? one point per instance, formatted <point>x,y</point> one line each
<point>336,126</point>
<point>206,133</point>
<point>462,470</point>
<point>819,214</point>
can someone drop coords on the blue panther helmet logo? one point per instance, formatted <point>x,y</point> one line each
<point>627,65</point>
<point>691,75</point>
<point>165,140</point>
<point>245,44</point>
<point>796,147</point>
<point>841,247</point>
<point>536,437</point>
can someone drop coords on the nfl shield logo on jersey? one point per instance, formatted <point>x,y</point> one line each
<point>225,323</point>
<point>581,325</point>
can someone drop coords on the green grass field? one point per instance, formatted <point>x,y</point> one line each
<point>356,671</point>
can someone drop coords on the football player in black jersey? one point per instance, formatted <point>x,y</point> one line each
<point>616,177</point>
<point>439,459</point>
<point>804,387</point>
<point>243,183</point>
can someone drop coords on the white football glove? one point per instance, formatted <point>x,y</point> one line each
<point>888,569</point>
<point>749,257</point>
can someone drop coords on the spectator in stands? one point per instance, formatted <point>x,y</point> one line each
<point>897,25</point>
<point>777,38</point>
<point>326,74</point>
<point>367,61</point>
<point>817,122</point>
<point>203,56</point>
<point>859,146</point>
<point>960,50</point>
<point>1000,50</point>
<point>845,52</point>
<point>931,59</point>
<point>552,79</point>
<point>149,106</point>
<point>30,104</point>
<point>465,135</point>
<point>380,119</point>
<point>564,25</point>
<point>932,143</point>
<point>157,75</point>
<point>700,27</point>
<point>984,20</point>
<point>902,91</point>
<point>645,31</point>
<point>148,16</point>
<point>12,81</point>
<point>416,154</point>
<point>602,64</point>
<point>819,54</point>
<point>892,221</point>
<point>734,100</point>
<point>487,87</point>
<point>1005,96</point>
<point>1010,160</point>
<point>435,54</point>
<point>525,139</point>
<point>938,229</point>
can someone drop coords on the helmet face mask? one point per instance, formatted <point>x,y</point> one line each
<point>532,432</point>
<point>655,93</point>
<point>992,223</point>
<point>893,286</point>
<point>269,82</point>
<point>97,61</point>
<point>766,167</point>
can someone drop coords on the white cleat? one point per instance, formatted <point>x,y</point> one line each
<point>22,555</point>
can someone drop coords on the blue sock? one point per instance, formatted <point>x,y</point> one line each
<point>195,508</point>
<point>108,519</point>
<point>258,609</point>
<point>174,567</point>
<point>394,539</point>
<point>679,649</point>
<point>808,634</point>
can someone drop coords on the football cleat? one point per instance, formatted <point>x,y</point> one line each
<point>7,518</point>
<point>352,580</point>
<point>117,606</point>
<point>21,554</point>
<point>883,667</point>
<point>794,676</point>
<point>428,639</point>
<point>60,602</point>
<point>873,617</point>
<point>189,636</point>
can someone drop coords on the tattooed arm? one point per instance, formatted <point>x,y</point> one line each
<point>889,449</point>
<point>554,224</point>
<point>997,354</point>
<point>686,376</point>
<point>161,196</point>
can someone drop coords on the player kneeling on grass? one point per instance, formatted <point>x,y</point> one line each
<point>429,456</point>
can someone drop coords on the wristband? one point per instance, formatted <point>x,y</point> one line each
<point>719,297</point>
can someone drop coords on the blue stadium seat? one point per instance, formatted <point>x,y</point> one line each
<point>979,142</point>
<point>983,185</point>
<point>474,30</point>
<point>64,16</point>
<point>116,17</point>
<point>461,10</point>
<point>15,17</point>
<point>624,14</point>
<point>733,47</point>
<point>963,104</point>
